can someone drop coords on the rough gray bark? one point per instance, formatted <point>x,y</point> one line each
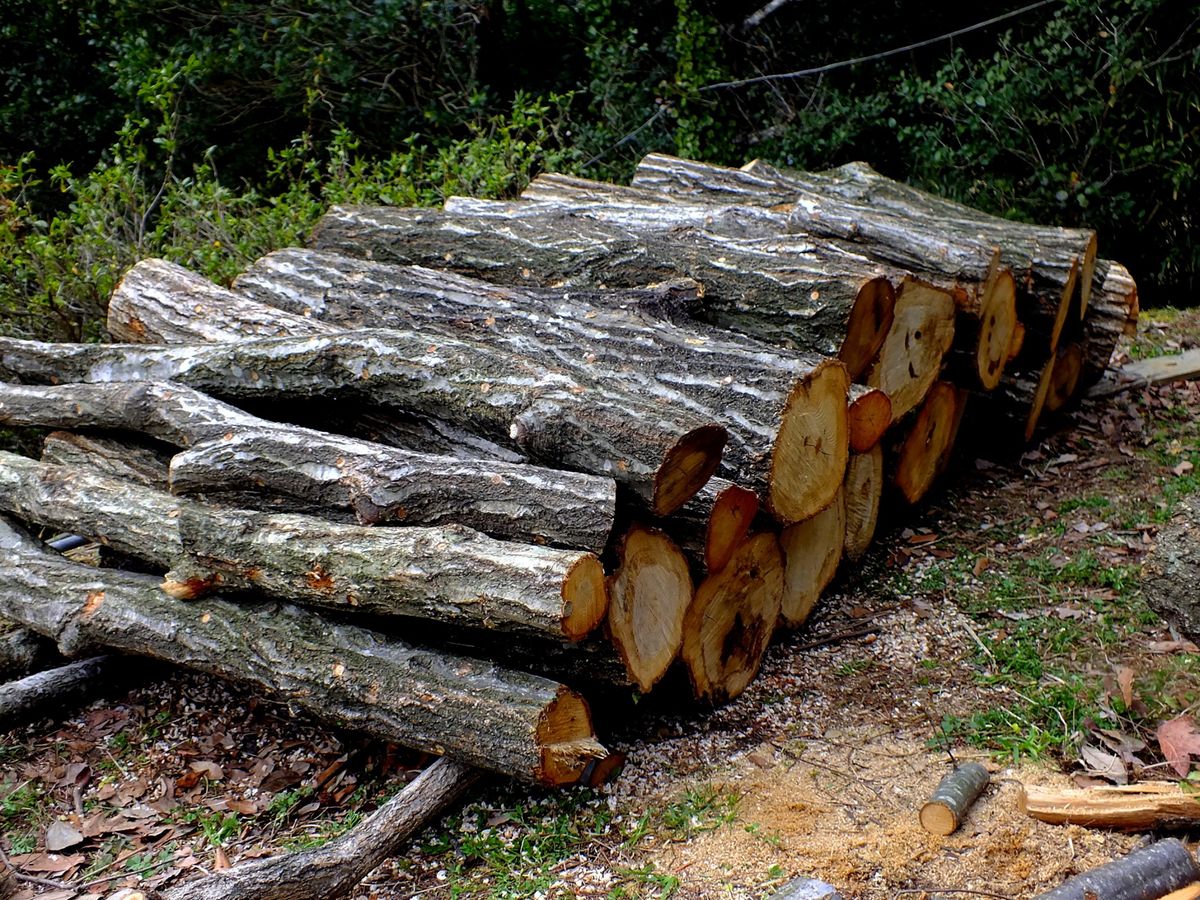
<point>451,575</point>
<point>126,458</point>
<point>335,869</point>
<point>946,808</point>
<point>781,290</point>
<point>1112,314</point>
<point>1170,584</point>
<point>54,690</point>
<point>477,712</point>
<point>1145,874</point>
<point>661,455</point>
<point>737,381</point>
<point>22,652</point>
<point>296,469</point>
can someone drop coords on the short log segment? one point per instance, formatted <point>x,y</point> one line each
<point>926,448</point>
<point>783,411</point>
<point>125,458</point>
<point>335,869</point>
<point>812,550</point>
<point>779,290</point>
<point>649,590</point>
<point>451,575</point>
<point>480,713</point>
<point>54,691</point>
<point>731,619</point>
<point>661,455</point>
<point>1113,314</point>
<point>22,652</point>
<point>1146,806</point>
<point>1145,874</point>
<point>863,491</point>
<point>233,455</point>
<point>952,798</point>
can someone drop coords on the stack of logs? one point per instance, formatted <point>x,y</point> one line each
<point>444,471</point>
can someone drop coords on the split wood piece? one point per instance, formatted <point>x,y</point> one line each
<point>730,621</point>
<point>452,574</point>
<point>649,593</point>
<point>1112,315</point>
<point>812,550</point>
<point>1142,373</point>
<point>863,492</point>
<point>912,355</point>
<point>335,869</point>
<point>786,413</point>
<point>926,448</point>
<point>1146,806</point>
<point>22,652</point>
<point>661,455</point>
<point>898,222</point>
<point>127,458</point>
<point>952,798</point>
<point>310,470</point>
<point>1064,377</point>
<point>54,691</point>
<point>779,290</point>
<point>479,713</point>
<point>1148,873</point>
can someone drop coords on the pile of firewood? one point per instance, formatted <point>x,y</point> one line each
<point>445,471</point>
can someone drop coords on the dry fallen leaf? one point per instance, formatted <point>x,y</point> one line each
<point>1125,682</point>
<point>1183,468</point>
<point>221,861</point>
<point>61,835</point>
<point>1105,765</point>
<point>1179,740</point>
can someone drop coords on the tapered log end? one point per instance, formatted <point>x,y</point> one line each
<point>567,740</point>
<point>868,417</point>
<point>687,467</point>
<point>809,457</point>
<point>731,619</point>
<point>936,818</point>
<point>997,328</point>
<point>812,550</point>
<point>648,597</point>
<point>732,515</point>
<point>585,598</point>
<point>912,354</point>
<point>926,448</point>
<point>870,320</point>
<point>862,491</point>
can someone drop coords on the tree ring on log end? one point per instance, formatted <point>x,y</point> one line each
<point>912,353</point>
<point>926,447</point>
<point>862,492</point>
<point>585,598</point>
<point>687,467</point>
<point>868,417</point>
<point>997,327</point>
<point>567,739</point>
<point>870,322</point>
<point>809,457</point>
<point>1064,377</point>
<point>812,550</point>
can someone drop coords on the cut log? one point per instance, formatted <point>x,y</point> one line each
<point>311,470</point>
<point>1147,873</point>
<point>733,512</point>
<point>1064,377</point>
<point>480,713</point>
<point>649,590</point>
<point>1113,314</point>
<point>988,334</point>
<point>812,550</point>
<point>952,798</point>
<point>55,691</point>
<point>742,383</point>
<point>126,458</point>
<point>926,448</point>
<point>730,621</point>
<point>1147,806</point>
<point>1169,582</point>
<point>661,455</point>
<point>335,869</point>
<point>782,290</point>
<point>22,652</point>
<point>451,575</point>
<point>863,491</point>
<point>868,417</point>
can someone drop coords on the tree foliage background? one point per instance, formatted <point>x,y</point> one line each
<point>212,131</point>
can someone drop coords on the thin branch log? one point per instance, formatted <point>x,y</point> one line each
<point>55,690</point>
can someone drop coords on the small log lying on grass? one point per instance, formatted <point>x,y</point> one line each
<point>235,452</point>
<point>126,458</point>
<point>1149,873</point>
<point>53,691</point>
<point>480,713</point>
<point>952,798</point>
<point>662,455</point>
<point>23,652</point>
<point>1145,806</point>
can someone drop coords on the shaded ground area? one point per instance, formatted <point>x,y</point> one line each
<point>1003,622</point>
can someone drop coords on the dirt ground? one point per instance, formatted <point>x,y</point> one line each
<point>994,624</point>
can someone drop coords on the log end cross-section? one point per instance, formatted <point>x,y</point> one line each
<point>926,449</point>
<point>564,733</point>
<point>997,328</point>
<point>870,321</point>
<point>686,467</point>
<point>916,345</point>
<point>812,550</point>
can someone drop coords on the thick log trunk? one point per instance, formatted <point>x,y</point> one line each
<point>127,458</point>
<point>335,869</point>
<point>1145,806</point>
<point>780,290</point>
<point>710,526</point>
<point>782,411</point>
<point>863,490</point>
<point>731,619</point>
<point>926,447</point>
<point>1147,873</point>
<point>505,721</point>
<point>952,798</point>
<point>1113,314</point>
<point>311,470</point>
<point>812,550</point>
<point>662,456</point>
<point>54,691</point>
<point>451,575</point>
<point>649,590</point>
<point>23,652</point>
